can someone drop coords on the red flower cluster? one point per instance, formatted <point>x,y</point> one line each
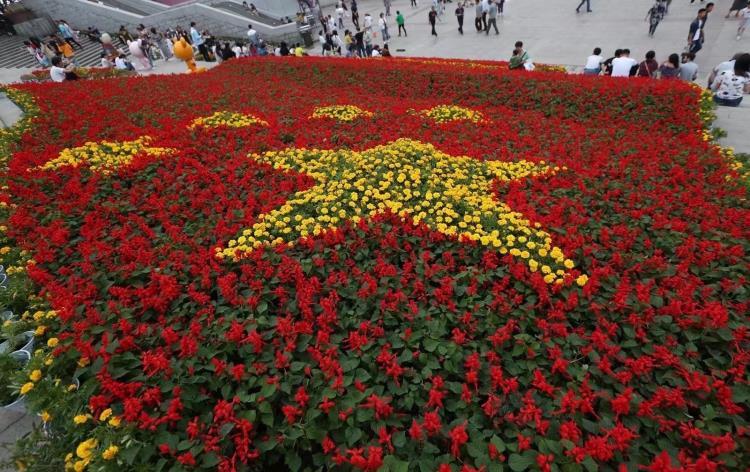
<point>382,342</point>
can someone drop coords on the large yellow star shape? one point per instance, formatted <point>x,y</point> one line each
<point>451,195</point>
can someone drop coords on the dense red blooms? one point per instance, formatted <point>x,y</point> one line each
<point>383,343</point>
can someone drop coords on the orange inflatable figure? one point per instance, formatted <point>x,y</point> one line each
<point>184,51</point>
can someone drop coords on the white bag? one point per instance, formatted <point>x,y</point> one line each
<point>529,66</point>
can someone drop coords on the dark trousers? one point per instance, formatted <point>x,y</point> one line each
<point>402,27</point>
<point>72,41</point>
<point>460,24</point>
<point>492,22</point>
<point>204,52</point>
<point>414,3</point>
<point>652,28</point>
<point>728,102</point>
<point>434,33</point>
<point>478,23</point>
<point>484,21</point>
<point>588,5</point>
<point>696,46</point>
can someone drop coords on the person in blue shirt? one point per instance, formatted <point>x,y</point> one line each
<point>67,33</point>
<point>197,39</point>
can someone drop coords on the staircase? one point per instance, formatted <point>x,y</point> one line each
<point>13,54</point>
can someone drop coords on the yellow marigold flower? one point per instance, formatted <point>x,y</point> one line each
<point>105,414</point>
<point>52,342</point>
<point>110,453</point>
<point>80,466</point>
<point>26,388</point>
<point>40,330</point>
<point>85,449</point>
<point>115,421</point>
<point>35,375</point>
<point>582,279</point>
<point>80,419</point>
<point>46,417</point>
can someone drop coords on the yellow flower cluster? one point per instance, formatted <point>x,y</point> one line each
<point>742,167</point>
<point>340,112</point>
<point>105,156</point>
<point>448,113</point>
<point>228,119</point>
<point>451,195</point>
<point>83,456</point>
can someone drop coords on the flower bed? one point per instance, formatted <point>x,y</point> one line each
<point>401,264</point>
<point>42,75</point>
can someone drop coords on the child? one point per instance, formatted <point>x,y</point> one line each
<point>67,52</point>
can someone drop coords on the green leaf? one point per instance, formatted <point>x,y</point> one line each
<point>394,464</point>
<point>293,461</point>
<point>519,462</point>
<point>210,460</point>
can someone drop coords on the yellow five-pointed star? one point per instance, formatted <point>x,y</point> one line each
<point>451,195</point>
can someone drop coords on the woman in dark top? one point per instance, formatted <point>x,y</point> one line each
<point>671,68</point>
<point>648,67</point>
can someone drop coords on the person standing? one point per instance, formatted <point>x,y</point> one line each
<point>355,13</point>
<point>252,36</point>
<point>744,21</point>
<point>695,33</point>
<point>478,20</point>
<point>492,18</point>
<point>460,17</point>
<point>594,63</point>
<point>688,68</point>
<point>359,43</point>
<point>588,6</point>
<point>432,17</point>
<point>387,5</point>
<point>383,24</point>
<point>198,41</point>
<point>414,3</point>
<point>648,67</point>
<point>368,22</point>
<point>654,16</point>
<point>400,22</point>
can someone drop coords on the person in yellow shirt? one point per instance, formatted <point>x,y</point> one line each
<point>298,51</point>
<point>67,52</point>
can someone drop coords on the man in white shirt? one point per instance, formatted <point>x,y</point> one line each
<point>383,28</point>
<point>594,63</point>
<point>252,35</point>
<point>57,73</point>
<point>621,65</point>
<point>368,22</point>
<point>340,16</point>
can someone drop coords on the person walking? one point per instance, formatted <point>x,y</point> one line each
<point>654,16</point>
<point>460,17</point>
<point>340,16</point>
<point>485,9</point>
<point>400,22</point>
<point>648,67</point>
<point>414,3</point>
<point>478,20</point>
<point>588,6</point>
<point>432,17</point>
<point>594,63</point>
<point>737,7</point>
<point>387,5</point>
<point>695,33</point>
<point>744,22</point>
<point>492,18</point>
